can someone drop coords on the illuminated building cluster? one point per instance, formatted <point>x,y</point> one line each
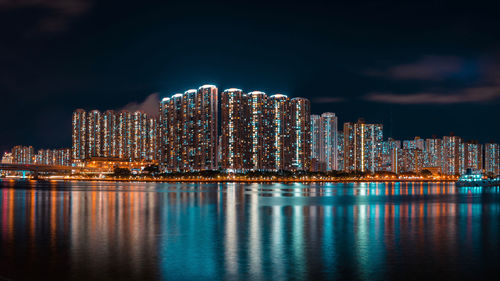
<point>257,132</point>
<point>25,155</point>
<point>125,135</point>
<point>57,157</point>
<point>189,130</point>
<point>362,146</point>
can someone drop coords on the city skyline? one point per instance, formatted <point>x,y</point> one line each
<point>231,130</point>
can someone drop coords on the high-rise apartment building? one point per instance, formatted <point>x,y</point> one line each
<point>23,154</point>
<point>362,146</point>
<point>280,135</point>
<point>94,134</point>
<point>473,155</point>
<point>315,143</point>
<point>325,142</point>
<point>492,158</point>
<point>451,154</point>
<point>300,134</point>
<point>433,153</point>
<point>235,128</point>
<point>79,134</point>
<point>260,131</point>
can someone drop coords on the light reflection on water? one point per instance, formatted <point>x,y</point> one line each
<point>131,231</point>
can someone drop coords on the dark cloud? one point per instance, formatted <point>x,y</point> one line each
<point>328,100</point>
<point>58,13</point>
<point>427,68</point>
<point>149,106</point>
<point>469,95</point>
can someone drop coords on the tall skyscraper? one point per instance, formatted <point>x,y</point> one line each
<point>79,134</point>
<point>280,118</point>
<point>473,155</point>
<point>235,127</point>
<point>329,147</point>
<point>340,150</point>
<point>325,142</point>
<point>362,144</point>
<point>300,134</point>
<point>260,131</point>
<point>450,163</point>
<point>109,134</point>
<point>94,134</point>
<point>207,106</point>
<point>492,158</point>
<point>316,143</point>
<point>433,153</point>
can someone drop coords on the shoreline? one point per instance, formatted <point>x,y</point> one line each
<point>244,180</point>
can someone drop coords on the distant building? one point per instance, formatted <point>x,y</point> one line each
<point>125,135</point>
<point>7,158</point>
<point>451,155</point>
<point>23,154</point>
<point>362,146</point>
<point>492,158</point>
<point>57,157</point>
<point>300,134</point>
<point>325,142</point>
<point>281,158</point>
<point>473,156</point>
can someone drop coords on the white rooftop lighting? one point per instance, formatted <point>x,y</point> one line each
<point>232,90</point>
<point>279,96</point>
<point>190,91</point>
<point>165,99</point>
<point>256,93</point>
<point>207,86</point>
<point>178,95</point>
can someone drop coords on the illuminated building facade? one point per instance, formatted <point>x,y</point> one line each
<point>124,135</point>
<point>362,146</point>
<point>207,128</point>
<point>324,142</point>
<point>23,154</point>
<point>280,123</point>
<point>300,134</point>
<point>473,156</point>
<point>235,139</point>
<point>94,134</point>
<point>451,152</point>
<point>79,134</point>
<point>109,134</point>
<point>260,131</point>
<point>7,158</point>
<point>189,130</point>
<point>433,152</point>
<point>58,157</point>
<point>340,150</point>
<point>315,143</point>
<point>329,147</point>
<point>492,158</point>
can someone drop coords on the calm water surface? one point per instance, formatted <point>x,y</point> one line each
<point>148,231</point>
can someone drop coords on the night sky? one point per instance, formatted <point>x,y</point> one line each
<point>421,69</point>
